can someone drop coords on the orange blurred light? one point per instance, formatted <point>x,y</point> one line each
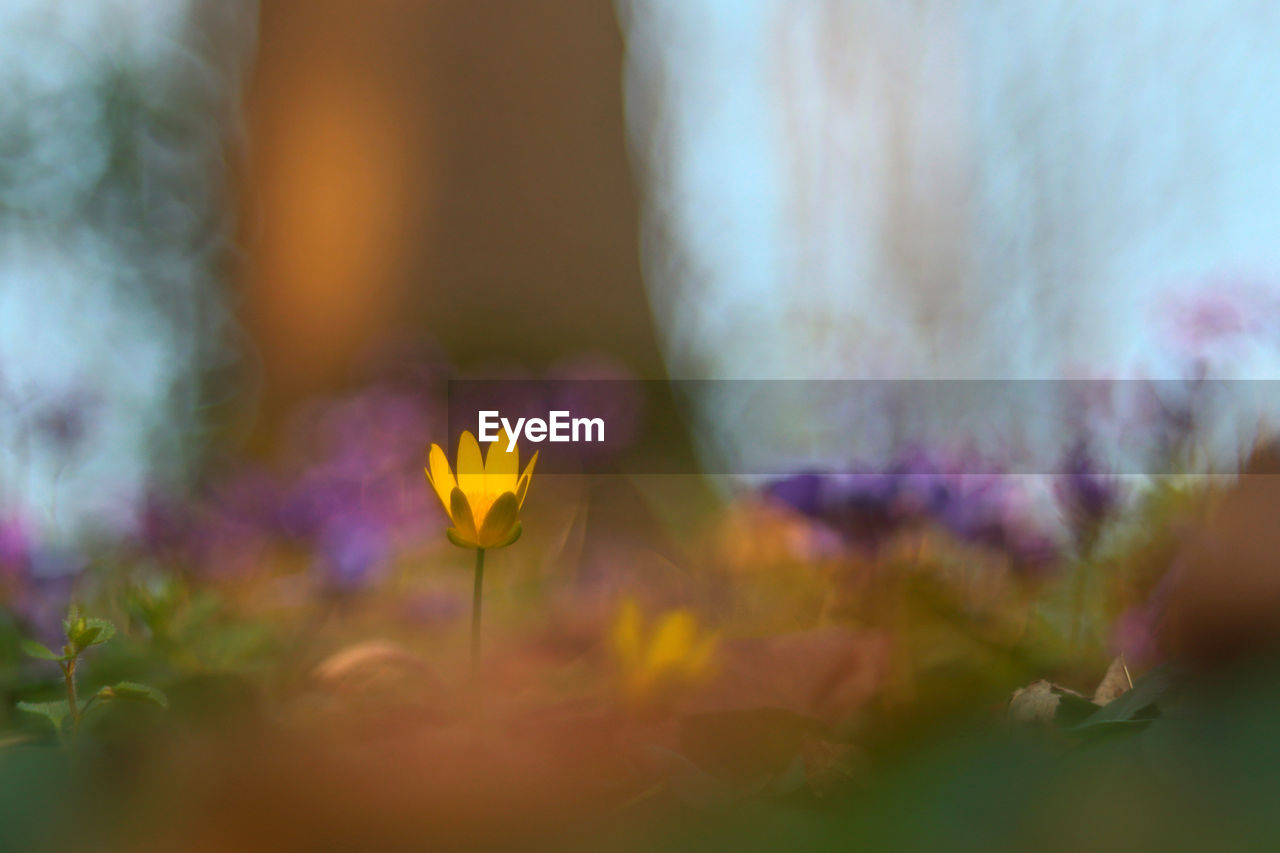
<point>331,185</point>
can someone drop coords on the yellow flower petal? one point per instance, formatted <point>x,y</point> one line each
<point>672,642</point>
<point>439,475</point>
<point>470,466</point>
<point>460,512</point>
<point>673,653</point>
<point>472,480</point>
<point>498,522</point>
<point>627,641</point>
<point>522,487</point>
<point>511,537</point>
<point>458,539</point>
<point>501,465</point>
<point>480,493</point>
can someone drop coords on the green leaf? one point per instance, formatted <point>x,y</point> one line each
<point>1073,710</point>
<point>102,630</point>
<point>1111,727</point>
<point>1141,704</point>
<point>84,638</point>
<point>130,691</point>
<point>54,712</point>
<point>90,632</point>
<point>39,650</point>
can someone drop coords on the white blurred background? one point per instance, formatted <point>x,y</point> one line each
<point>114,248</point>
<point>985,189</point>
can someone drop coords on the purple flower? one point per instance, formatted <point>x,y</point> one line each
<point>351,552</point>
<point>860,507</point>
<point>867,507</point>
<point>363,492</point>
<point>1085,495</point>
<point>364,454</point>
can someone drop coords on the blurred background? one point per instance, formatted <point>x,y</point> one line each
<point>216,213</point>
<point>246,247</point>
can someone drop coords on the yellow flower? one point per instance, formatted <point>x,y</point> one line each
<point>672,653</point>
<point>484,501</point>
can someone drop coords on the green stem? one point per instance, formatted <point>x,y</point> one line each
<point>475,611</point>
<point>69,673</point>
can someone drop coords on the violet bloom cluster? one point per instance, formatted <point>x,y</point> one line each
<point>1085,494</point>
<point>354,496</point>
<point>867,506</point>
<point>360,497</point>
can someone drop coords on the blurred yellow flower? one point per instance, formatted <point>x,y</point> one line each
<point>485,500</point>
<point>672,653</point>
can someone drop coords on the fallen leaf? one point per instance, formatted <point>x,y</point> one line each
<point>1042,702</point>
<point>382,674</point>
<point>1115,682</point>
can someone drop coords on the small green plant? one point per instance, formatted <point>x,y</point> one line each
<point>66,715</point>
